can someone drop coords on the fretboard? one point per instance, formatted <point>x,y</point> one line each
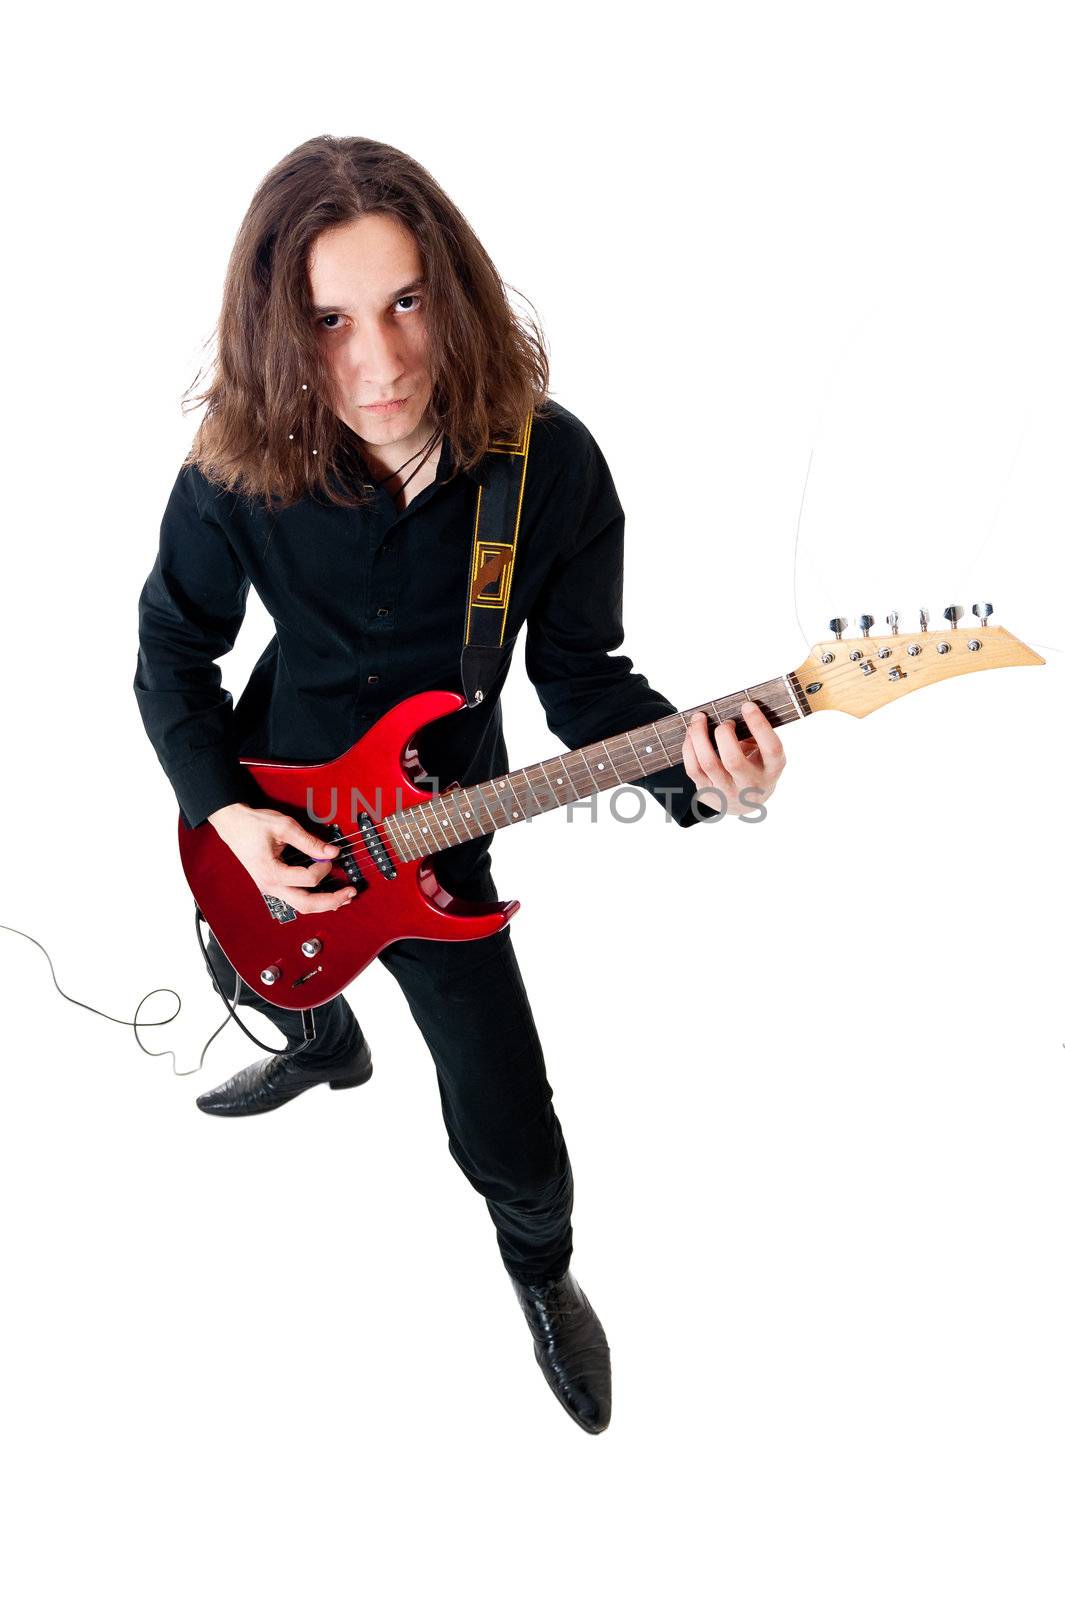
<point>459,814</point>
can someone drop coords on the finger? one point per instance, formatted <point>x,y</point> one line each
<point>311,904</point>
<point>706,756</point>
<point>769,746</point>
<point>739,768</point>
<point>716,777</point>
<point>309,843</point>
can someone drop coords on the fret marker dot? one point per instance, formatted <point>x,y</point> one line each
<point>465,813</point>
<point>599,764</point>
<point>513,813</point>
<point>558,780</point>
<point>425,830</point>
<point>647,747</point>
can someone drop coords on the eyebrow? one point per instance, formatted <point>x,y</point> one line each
<point>408,288</point>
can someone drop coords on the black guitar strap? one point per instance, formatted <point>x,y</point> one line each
<point>494,545</point>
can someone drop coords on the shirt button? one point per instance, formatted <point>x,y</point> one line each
<point>373,678</point>
<point>382,611</point>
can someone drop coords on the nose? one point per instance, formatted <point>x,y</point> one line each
<point>377,356</point>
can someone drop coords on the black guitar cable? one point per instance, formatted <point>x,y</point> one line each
<point>136,1024</point>
<point>308,1016</point>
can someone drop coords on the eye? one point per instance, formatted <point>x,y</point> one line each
<point>323,320</point>
<point>406,297</point>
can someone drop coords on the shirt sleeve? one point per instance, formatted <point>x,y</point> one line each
<point>190,612</point>
<point>587,693</point>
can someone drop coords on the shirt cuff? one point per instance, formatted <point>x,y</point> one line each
<point>212,780</point>
<point>675,792</point>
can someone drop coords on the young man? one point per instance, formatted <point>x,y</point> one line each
<point>367,353</point>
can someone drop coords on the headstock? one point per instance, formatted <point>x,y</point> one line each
<point>861,675</point>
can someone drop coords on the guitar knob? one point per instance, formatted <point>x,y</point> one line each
<point>270,974</point>
<point>983,611</point>
<point>892,620</point>
<point>924,620</point>
<point>837,625</point>
<point>311,947</point>
<point>954,615</point>
<point>865,623</point>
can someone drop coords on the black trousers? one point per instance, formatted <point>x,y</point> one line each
<point>469,1002</point>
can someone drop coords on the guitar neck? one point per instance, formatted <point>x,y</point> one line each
<point>484,808</point>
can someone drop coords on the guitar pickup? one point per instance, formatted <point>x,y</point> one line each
<point>347,859</point>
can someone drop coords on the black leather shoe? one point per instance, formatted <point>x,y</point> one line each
<point>276,1079</point>
<point>571,1348</point>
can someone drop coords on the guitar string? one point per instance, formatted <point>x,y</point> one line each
<point>436,826</point>
<point>830,672</point>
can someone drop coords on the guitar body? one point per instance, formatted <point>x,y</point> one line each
<point>378,772</point>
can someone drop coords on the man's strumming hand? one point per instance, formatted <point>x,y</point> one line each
<point>257,835</point>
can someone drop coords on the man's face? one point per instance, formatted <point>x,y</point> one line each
<point>365,282</point>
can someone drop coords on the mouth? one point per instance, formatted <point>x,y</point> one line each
<point>386,407</point>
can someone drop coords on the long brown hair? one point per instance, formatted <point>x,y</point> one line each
<point>270,429</point>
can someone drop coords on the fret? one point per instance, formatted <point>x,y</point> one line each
<point>391,826</point>
<point>471,812</point>
<point>457,802</point>
<point>636,755</point>
<point>502,784</point>
<point>493,785</point>
<point>577,786</point>
<point>629,758</point>
<point>600,766</point>
<point>591,774</point>
<point>408,844</point>
<point>421,816</point>
<point>551,788</point>
<point>561,762</point>
<point>675,745</point>
<point>669,759</point>
<point>610,757</point>
<point>443,822</point>
<point>626,760</point>
<point>484,810</point>
<point>643,736</point>
<point>545,791</point>
<point>523,774</point>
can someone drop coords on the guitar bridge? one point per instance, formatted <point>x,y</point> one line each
<point>280,910</point>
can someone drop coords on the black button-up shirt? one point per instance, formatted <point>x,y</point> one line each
<point>370,607</point>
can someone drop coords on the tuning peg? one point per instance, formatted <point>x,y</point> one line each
<point>837,625</point>
<point>924,620</point>
<point>954,615</point>
<point>983,611</point>
<point>892,620</point>
<point>865,622</point>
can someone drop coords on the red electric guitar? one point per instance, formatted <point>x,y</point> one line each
<point>368,801</point>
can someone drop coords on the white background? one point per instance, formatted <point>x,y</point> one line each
<point>809,1071</point>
